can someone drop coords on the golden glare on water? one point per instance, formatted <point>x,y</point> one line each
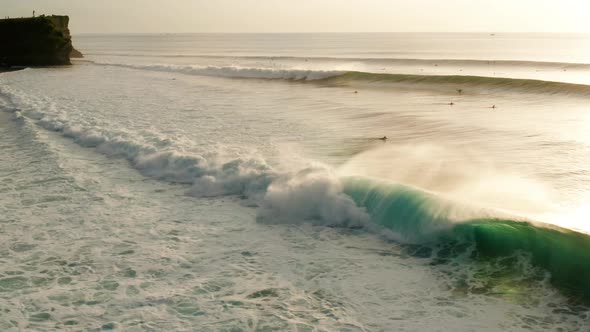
<point>575,218</point>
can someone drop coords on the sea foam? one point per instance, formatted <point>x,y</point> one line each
<point>313,193</point>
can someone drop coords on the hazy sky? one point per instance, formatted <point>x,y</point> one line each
<point>112,16</point>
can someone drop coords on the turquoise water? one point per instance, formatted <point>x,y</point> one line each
<point>237,183</point>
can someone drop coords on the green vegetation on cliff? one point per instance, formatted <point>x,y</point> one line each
<point>35,41</point>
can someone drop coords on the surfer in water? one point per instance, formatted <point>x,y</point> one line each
<point>384,138</point>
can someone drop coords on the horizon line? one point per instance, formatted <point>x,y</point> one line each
<point>337,32</point>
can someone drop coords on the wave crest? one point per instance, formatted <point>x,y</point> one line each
<point>237,72</point>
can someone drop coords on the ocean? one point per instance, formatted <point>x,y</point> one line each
<point>299,182</point>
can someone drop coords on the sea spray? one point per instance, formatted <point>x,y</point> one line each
<point>456,172</point>
<point>312,194</point>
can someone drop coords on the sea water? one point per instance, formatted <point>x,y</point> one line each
<point>238,182</point>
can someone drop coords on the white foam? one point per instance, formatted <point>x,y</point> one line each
<point>235,71</point>
<point>313,193</point>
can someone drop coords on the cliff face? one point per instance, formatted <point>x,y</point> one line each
<point>61,24</point>
<point>35,41</point>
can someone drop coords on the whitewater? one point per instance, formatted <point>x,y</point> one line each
<point>217,182</point>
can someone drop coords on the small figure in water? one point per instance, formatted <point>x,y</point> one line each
<point>493,106</point>
<point>451,103</point>
<point>384,138</point>
<point>356,92</point>
<point>460,91</point>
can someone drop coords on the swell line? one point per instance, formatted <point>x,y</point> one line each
<point>466,81</point>
<point>379,60</point>
<point>337,77</point>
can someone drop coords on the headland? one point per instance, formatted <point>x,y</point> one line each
<point>36,41</point>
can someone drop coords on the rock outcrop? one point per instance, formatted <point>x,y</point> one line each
<point>75,54</point>
<point>35,41</point>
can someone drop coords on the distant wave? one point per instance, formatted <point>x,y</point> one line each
<point>370,60</point>
<point>467,82</point>
<point>335,77</point>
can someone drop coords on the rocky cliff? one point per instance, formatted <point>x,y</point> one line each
<point>35,41</point>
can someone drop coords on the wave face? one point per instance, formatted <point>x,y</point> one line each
<point>452,83</point>
<point>468,82</point>
<point>424,218</point>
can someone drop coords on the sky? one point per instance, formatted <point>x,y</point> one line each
<point>154,16</point>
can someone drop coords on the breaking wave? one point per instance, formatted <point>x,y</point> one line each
<point>428,219</point>
<point>316,194</point>
<point>311,193</point>
<point>368,60</point>
<point>236,72</point>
